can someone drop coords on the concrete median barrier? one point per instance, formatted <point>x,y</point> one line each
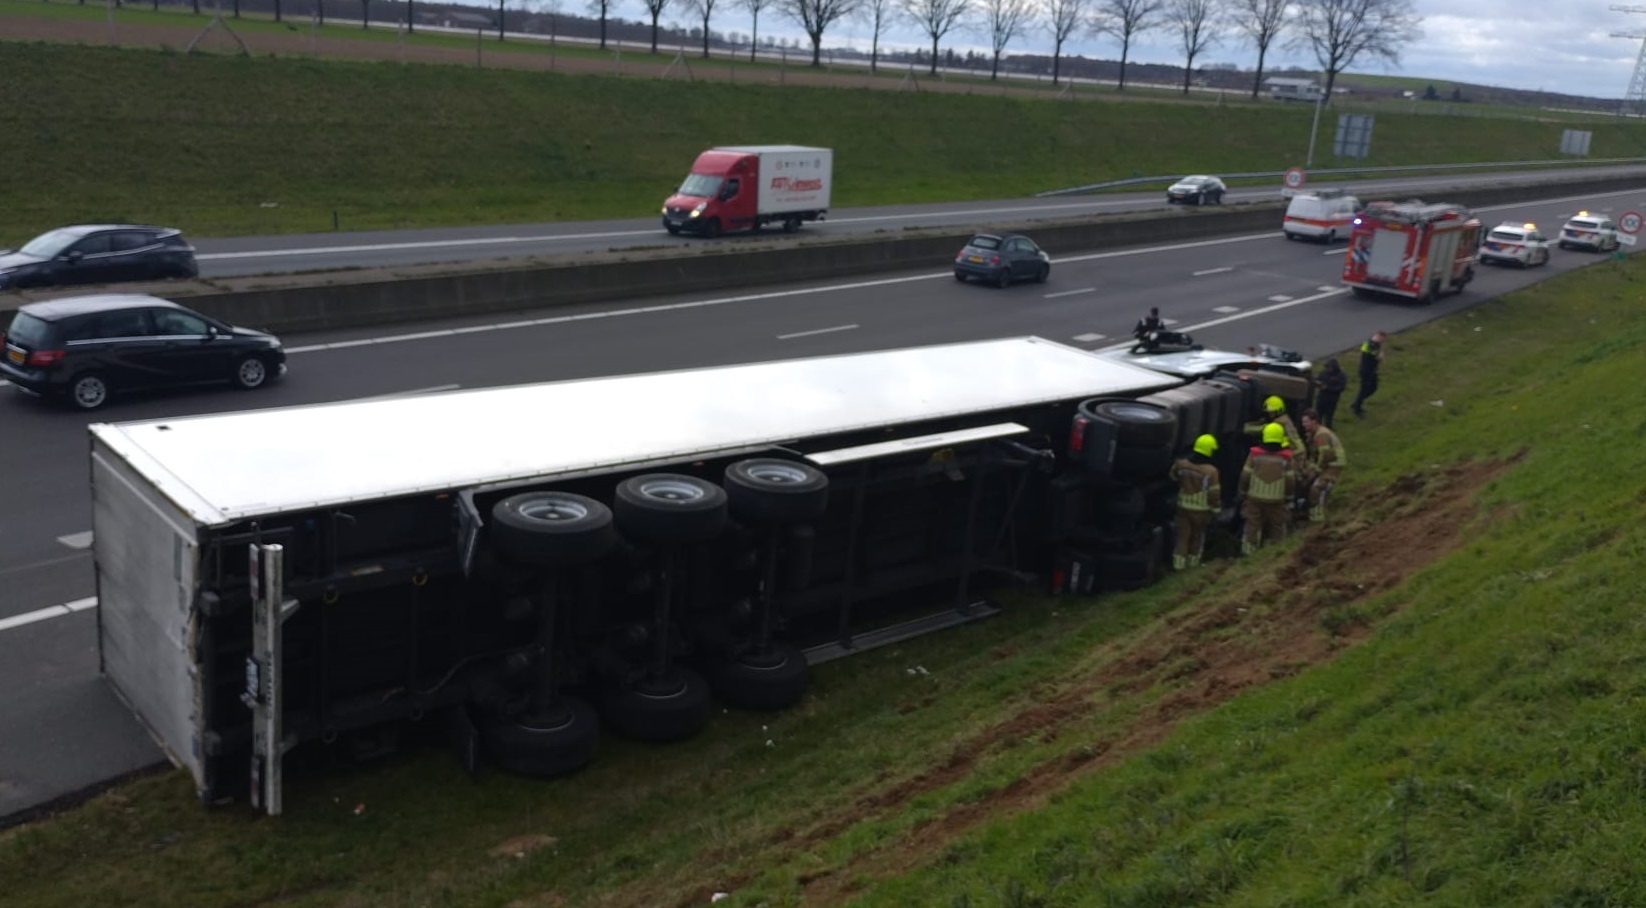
<point>331,300</point>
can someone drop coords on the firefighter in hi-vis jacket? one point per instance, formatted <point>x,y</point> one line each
<point>1327,458</point>
<point>1267,484</point>
<point>1274,410</point>
<point>1199,498</point>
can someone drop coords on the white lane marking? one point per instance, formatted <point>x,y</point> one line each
<point>53,611</point>
<point>81,540</point>
<point>1053,296</point>
<point>1338,251</point>
<point>1226,309</point>
<point>4,383</point>
<point>1336,291</point>
<point>1280,298</point>
<point>1325,287</point>
<point>1089,338</point>
<point>784,337</point>
<point>410,393</point>
<point>1210,271</point>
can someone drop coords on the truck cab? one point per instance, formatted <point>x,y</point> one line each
<point>718,195</point>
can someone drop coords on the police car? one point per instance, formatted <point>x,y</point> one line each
<point>1589,231</point>
<point>1517,244</point>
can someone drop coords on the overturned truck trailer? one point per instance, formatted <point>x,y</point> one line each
<point>527,566</point>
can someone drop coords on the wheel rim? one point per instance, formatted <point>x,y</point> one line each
<point>778,474</point>
<point>90,392</point>
<point>252,372</point>
<point>666,489</point>
<point>554,510</point>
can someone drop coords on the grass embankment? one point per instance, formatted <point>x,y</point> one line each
<point>1433,700</point>
<point>223,145</point>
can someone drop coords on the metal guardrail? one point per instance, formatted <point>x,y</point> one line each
<point>1334,171</point>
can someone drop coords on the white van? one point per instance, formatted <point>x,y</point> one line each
<point>1325,214</point>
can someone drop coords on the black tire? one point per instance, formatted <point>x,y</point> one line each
<point>1004,278</point>
<point>711,228</point>
<point>554,745</point>
<point>89,391</point>
<point>773,680</point>
<point>768,491</point>
<point>790,225</point>
<point>1331,237</point>
<point>1200,199</point>
<point>1141,462</point>
<point>1121,504</point>
<point>1041,275</point>
<point>669,508</point>
<point>671,709</point>
<point>960,276</point>
<point>1217,198</point>
<point>548,529</point>
<point>250,373</point>
<point>1290,235</point>
<point>1132,569</point>
<point>672,229</point>
<point>1137,424</point>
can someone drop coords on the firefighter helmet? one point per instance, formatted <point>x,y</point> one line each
<point>1274,405</point>
<point>1274,434</point>
<point>1205,445</point>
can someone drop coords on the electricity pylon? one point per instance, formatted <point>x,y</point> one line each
<point>1636,96</point>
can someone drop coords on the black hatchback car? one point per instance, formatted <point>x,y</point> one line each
<point>98,254</point>
<point>1001,260</point>
<point>86,348</point>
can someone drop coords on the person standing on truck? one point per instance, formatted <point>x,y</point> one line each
<point>1199,498</point>
<point>1267,484</point>
<point>1275,410</point>
<point>1371,357</point>
<point>1329,387</point>
<point>1327,458</point>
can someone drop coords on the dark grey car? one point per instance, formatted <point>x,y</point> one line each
<point>1002,259</point>
<point>98,254</point>
<point>83,349</point>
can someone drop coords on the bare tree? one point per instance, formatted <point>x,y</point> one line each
<point>936,18</point>
<point>1126,19</point>
<point>1002,21</point>
<point>1341,31</point>
<point>814,18</point>
<point>1063,17</point>
<point>703,9</point>
<point>365,13</point>
<point>1262,21</point>
<point>603,9</point>
<point>754,7</point>
<point>655,9</point>
<point>1197,25</point>
<point>878,15</point>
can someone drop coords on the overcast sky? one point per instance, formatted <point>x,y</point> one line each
<point>1551,45</point>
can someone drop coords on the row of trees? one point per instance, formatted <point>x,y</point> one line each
<point>1337,32</point>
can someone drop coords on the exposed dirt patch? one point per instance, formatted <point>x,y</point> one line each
<point>1217,646</point>
<point>520,846</point>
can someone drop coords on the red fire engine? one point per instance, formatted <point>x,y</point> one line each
<point>1412,249</point>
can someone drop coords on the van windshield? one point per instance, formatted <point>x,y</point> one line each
<point>700,184</point>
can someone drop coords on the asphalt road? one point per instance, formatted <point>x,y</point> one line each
<point>323,251</point>
<point>61,729</point>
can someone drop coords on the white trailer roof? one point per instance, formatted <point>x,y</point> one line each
<point>227,467</point>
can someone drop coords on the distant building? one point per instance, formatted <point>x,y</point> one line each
<point>455,19</point>
<point>1293,89</point>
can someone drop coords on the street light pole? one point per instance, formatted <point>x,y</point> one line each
<point>1313,128</point>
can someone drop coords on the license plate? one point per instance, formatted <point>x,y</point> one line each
<point>1495,247</point>
<point>15,356</point>
<point>975,258</point>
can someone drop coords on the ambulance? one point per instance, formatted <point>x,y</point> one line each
<point>1412,249</point>
<point>1324,214</point>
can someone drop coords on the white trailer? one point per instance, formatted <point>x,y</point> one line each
<point>511,559</point>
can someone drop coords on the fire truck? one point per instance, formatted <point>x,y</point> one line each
<point>1412,249</point>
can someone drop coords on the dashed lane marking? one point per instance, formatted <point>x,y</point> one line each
<point>1089,338</point>
<point>1280,298</point>
<point>80,540</point>
<point>784,337</point>
<point>1210,271</point>
<point>1053,296</point>
<point>47,613</point>
<point>1225,310</point>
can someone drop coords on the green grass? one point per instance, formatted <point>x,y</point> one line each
<point>1434,700</point>
<point>228,145</point>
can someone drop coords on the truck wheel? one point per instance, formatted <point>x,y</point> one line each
<point>551,528</point>
<point>250,373</point>
<point>89,391</point>
<point>671,708</point>
<point>669,508</point>
<point>711,228</point>
<point>770,491</point>
<point>790,225</point>
<point>560,742</point>
<point>775,679</point>
<point>1138,424</point>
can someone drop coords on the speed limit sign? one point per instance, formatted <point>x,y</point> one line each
<point>1294,179</point>
<point>1629,222</point>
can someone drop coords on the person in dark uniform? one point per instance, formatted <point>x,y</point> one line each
<point>1329,387</point>
<point>1371,357</point>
